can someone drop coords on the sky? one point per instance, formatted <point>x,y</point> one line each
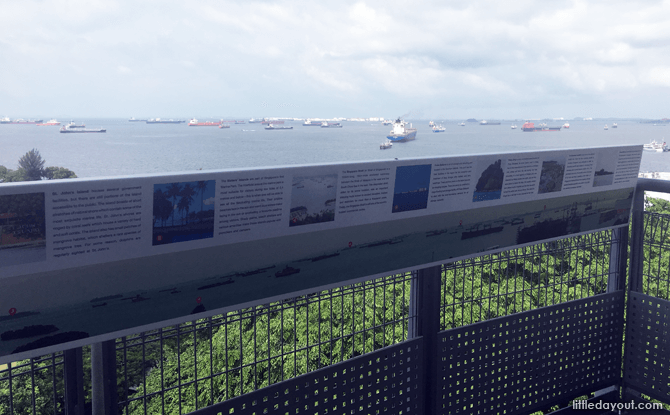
<point>420,59</point>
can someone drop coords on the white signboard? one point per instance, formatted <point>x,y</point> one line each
<point>83,260</point>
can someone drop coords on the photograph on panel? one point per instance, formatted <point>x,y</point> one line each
<point>23,229</point>
<point>551,177</point>
<point>313,199</point>
<point>605,166</point>
<point>183,211</point>
<point>490,182</point>
<point>411,188</point>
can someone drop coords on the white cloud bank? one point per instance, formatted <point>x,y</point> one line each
<point>361,58</point>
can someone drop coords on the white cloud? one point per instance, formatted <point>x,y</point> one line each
<point>481,51</point>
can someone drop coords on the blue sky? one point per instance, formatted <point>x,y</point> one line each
<point>429,59</point>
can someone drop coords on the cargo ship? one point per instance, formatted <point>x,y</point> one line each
<point>401,133</point>
<point>69,129</point>
<point>274,127</point>
<point>50,122</point>
<point>22,121</point>
<point>159,121</point>
<point>326,124</point>
<point>196,123</point>
<point>133,119</point>
<point>310,123</point>
<point>529,126</point>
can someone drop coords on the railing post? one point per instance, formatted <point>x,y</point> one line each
<point>636,242</point>
<point>103,378</point>
<point>74,381</point>
<point>426,293</point>
<point>618,260</point>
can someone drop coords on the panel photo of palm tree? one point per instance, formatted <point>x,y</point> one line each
<point>183,212</point>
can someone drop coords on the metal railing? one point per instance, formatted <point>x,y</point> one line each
<point>381,345</point>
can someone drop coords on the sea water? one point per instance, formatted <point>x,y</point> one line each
<point>130,148</point>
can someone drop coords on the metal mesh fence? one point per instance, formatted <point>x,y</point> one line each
<point>656,249</point>
<point>524,279</point>
<point>182,368</point>
<point>193,365</point>
<point>33,386</point>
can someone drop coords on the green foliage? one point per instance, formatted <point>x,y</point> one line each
<point>31,167</point>
<point>58,173</point>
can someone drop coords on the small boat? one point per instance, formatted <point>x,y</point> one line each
<point>331,125</point>
<point>195,123</point>
<point>73,125</point>
<point>614,125</point>
<point>606,127</point>
<point>655,146</point>
<point>484,122</point>
<point>310,123</point>
<point>133,119</point>
<point>224,126</point>
<point>387,122</point>
<point>287,271</point>
<point>431,124</point>
<point>386,145</point>
<point>438,129</point>
<point>462,124</point>
<point>514,127</point>
<point>50,122</point>
<point>277,127</point>
<point>566,125</point>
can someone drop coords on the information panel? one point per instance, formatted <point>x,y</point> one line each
<point>84,260</point>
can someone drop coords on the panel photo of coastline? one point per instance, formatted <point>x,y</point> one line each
<point>605,166</point>
<point>551,177</point>
<point>411,188</point>
<point>489,185</point>
<point>22,229</point>
<point>313,199</point>
<point>183,212</point>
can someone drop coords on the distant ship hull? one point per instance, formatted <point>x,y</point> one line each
<point>164,121</point>
<point>401,138</point>
<point>82,130</point>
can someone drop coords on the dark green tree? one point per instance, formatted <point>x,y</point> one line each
<point>32,165</point>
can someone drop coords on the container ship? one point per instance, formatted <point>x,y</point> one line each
<point>401,133</point>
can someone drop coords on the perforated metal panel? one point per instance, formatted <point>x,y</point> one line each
<point>532,360</point>
<point>387,381</point>
<point>647,359</point>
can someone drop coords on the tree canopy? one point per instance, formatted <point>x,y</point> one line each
<point>31,167</point>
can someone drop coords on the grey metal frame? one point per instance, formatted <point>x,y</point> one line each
<point>395,362</point>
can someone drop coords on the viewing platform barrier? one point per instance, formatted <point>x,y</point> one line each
<point>516,332</point>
